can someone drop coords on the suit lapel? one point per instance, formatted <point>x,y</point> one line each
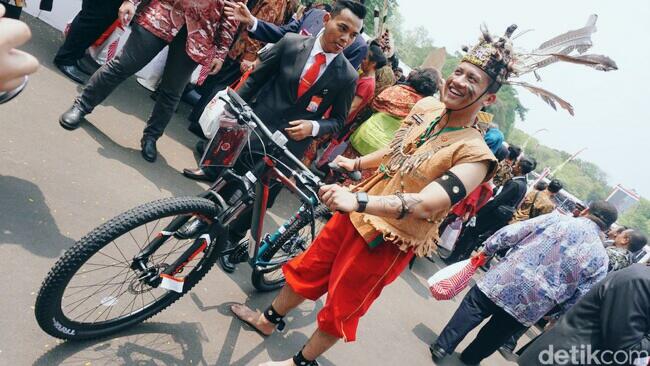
<point>301,59</point>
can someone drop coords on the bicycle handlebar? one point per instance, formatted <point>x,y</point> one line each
<point>355,175</point>
<point>245,111</point>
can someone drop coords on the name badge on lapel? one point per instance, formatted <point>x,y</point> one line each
<point>314,103</point>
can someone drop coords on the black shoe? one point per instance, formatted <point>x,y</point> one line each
<point>191,229</point>
<point>149,152</point>
<point>73,72</point>
<point>226,264</point>
<point>72,118</point>
<point>199,174</point>
<point>437,353</point>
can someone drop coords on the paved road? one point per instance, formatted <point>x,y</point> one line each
<point>56,185</point>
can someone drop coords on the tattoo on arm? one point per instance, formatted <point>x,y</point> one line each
<point>393,204</point>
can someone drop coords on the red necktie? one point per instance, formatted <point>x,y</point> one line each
<point>311,75</point>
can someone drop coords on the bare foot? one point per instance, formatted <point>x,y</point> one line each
<point>288,362</point>
<point>253,318</point>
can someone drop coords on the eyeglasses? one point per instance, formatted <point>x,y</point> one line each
<point>9,95</point>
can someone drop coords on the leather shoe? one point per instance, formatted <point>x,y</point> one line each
<point>199,174</point>
<point>437,353</point>
<point>73,72</point>
<point>149,152</point>
<point>72,118</point>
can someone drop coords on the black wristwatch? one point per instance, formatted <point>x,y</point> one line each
<point>362,200</point>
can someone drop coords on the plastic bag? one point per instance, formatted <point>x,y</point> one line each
<point>209,119</point>
<point>228,142</point>
<point>451,280</point>
<point>450,235</point>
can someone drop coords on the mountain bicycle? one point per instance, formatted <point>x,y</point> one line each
<point>143,260</point>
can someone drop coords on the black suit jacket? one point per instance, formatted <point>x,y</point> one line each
<point>275,85</point>
<point>511,195</point>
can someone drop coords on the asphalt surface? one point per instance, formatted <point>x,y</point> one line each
<point>57,185</point>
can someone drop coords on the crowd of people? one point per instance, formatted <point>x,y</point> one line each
<point>429,153</point>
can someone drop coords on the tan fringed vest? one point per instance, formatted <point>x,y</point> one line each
<point>409,169</point>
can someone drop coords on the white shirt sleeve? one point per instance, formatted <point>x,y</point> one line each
<point>253,27</point>
<point>315,128</point>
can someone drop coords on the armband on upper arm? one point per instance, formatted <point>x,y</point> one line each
<point>453,186</point>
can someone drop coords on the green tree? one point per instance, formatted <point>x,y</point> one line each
<point>638,217</point>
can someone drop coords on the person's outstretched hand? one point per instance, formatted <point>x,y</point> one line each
<point>14,64</point>
<point>238,12</point>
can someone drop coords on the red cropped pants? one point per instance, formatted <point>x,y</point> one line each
<point>340,263</point>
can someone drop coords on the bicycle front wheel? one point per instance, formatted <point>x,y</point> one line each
<point>290,244</point>
<point>94,291</point>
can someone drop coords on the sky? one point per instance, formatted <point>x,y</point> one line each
<point>610,116</point>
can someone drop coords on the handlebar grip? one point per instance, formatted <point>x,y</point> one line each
<point>236,98</point>
<point>355,175</point>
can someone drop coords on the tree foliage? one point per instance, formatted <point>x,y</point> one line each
<point>638,217</point>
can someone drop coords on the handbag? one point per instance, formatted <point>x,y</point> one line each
<point>450,235</point>
<point>451,280</point>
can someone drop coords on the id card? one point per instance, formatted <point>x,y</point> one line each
<point>314,103</point>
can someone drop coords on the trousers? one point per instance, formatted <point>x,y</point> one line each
<point>475,308</point>
<point>93,19</point>
<point>138,51</point>
<point>340,263</point>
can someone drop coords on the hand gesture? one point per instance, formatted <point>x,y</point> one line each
<point>345,163</point>
<point>126,12</point>
<point>245,65</point>
<point>300,130</point>
<point>338,198</point>
<point>238,12</point>
<point>14,64</point>
<point>215,66</point>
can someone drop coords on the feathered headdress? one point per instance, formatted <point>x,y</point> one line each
<point>497,57</point>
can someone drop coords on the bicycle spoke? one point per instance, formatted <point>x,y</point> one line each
<point>93,294</point>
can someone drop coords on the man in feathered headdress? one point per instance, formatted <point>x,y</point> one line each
<point>514,294</point>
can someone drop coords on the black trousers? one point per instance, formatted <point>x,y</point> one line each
<point>228,74</point>
<point>141,47</point>
<point>475,308</point>
<point>93,19</point>
<point>12,11</point>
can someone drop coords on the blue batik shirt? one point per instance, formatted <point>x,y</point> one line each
<point>555,260</point>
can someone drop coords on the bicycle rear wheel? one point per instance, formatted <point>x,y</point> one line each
<point>295,240</point>
<point>93,289</point>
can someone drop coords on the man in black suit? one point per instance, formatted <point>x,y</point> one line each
<point>311,23</point>
<point>290,102</point>
<point>284,68</point>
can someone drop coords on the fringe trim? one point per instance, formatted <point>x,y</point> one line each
<point>420,247</point>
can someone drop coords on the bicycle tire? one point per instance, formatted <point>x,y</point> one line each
<point>258,278</point>
<point>48,308</point>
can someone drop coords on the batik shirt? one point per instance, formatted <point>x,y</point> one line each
<point>619,258</point>
<point>556,259</point>
<point>209,32</point>
<point>503,174</point>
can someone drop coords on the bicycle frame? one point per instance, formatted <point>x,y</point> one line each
<point>251,189</point>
